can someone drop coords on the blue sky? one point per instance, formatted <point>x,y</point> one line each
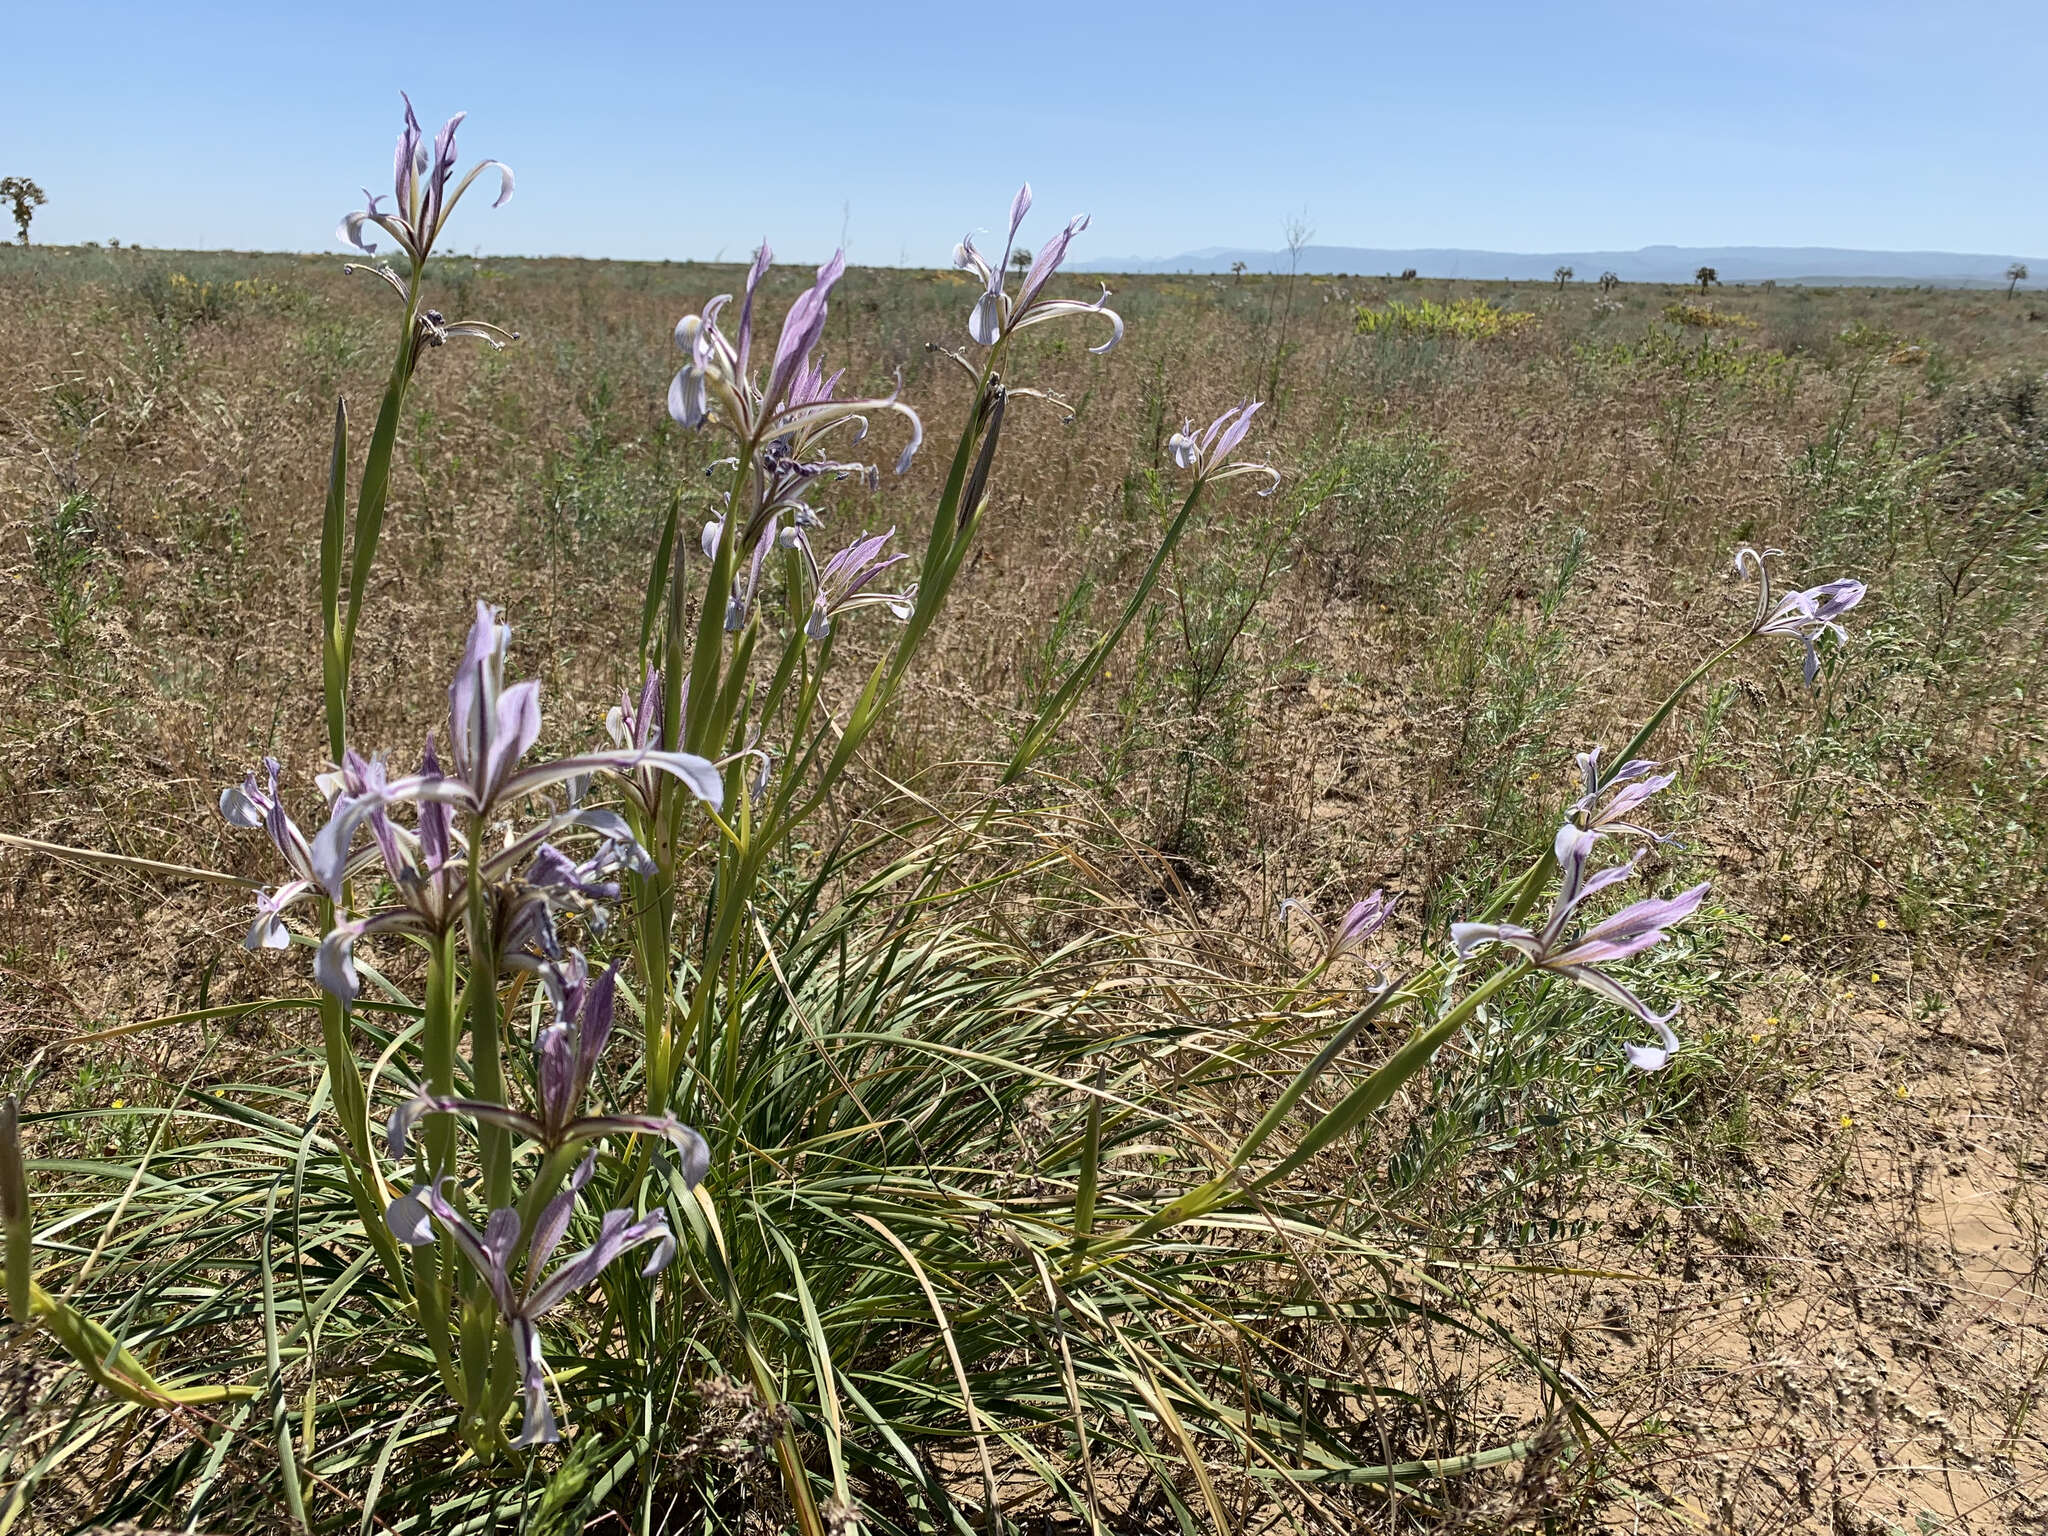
<point>686,130</point>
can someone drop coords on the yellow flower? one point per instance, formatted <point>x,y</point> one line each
<point>1784,938</point>
<point>1880,922</point>
<point>120,1103</point>
<point>1905,1092</point>
<point>1772,1019</point>
<point>1848,1121</point>
<point>1756,1039</point>
<point>1875,978</point>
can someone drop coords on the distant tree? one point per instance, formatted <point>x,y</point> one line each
<point>1609,282</point>
<point>26,197</point>
<point>1706,277</point>
<point>2014,274</point>
<point>1021,259</point>
<point>1562,276</point>
<point>1769,285</point>
<point>1407,274</point>
<point>1237,271</point>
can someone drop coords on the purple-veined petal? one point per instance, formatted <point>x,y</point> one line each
<point>694,1152</point>
<point>514,731</point>
<point>1048,260</point>
<point>1633,929</point>
<point>471,1242</point>
<point>969,259</point>
<point>802,328</point>
<point>398,1129</point>
<point>554,1218</point>
<point>763,256</point>
<point>616,1235</point>
<point>555,1066</point>
<point>473,694</point>
<point>501,1236</point>
<point>1019,206</point>
<point>594,1021</point>
<point>1234,434</point>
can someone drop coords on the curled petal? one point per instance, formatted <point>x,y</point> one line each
<point>968,259</point>
<point>1246,467</point>
<point>1603,985</point>
<point>1651,1058</point>
<point>699,775</point>
<point>1052,309</point>
<point>1469,938</point>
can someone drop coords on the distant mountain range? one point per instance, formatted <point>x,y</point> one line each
<point>1652,264</point>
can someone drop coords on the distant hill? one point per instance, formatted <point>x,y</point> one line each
<point>1823,265</point>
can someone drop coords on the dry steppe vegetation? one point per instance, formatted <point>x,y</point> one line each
<point>1796,1279</point>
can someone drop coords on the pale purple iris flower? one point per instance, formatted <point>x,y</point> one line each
<point>1209,454</point>
<point>794,407</point>
<point>1611,800</point>
<point>566,1054</point>
<point>1630,931</point>
<point>494,1254</point>
<point>532,882</point>
<point>1804,616</point>
<point>1353,931</point>
<point>846,582</point>
<point>996,313</point>
<point>252,807</point>
<point>1363,920</point>
<point>420,192</point>
<point>493,726</point>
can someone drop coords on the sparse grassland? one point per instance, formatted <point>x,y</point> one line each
<point>1795,1280</point>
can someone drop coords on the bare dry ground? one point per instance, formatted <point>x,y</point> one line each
<point>1800,1279</point>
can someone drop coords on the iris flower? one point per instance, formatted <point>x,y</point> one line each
<point>997,314</point>
<point>1364,919</point>
<point>1209,455</point>
<point>794,406</point>
<point>419,191</point>
<point>529,879</point>
<point>1630,931</point>
<point>493,726</point>
<point>493,1253</point>
<point>846,580</point>
<point>1609,802</point>
<point>566,1054</point>
<point>1804,616</point>
<point>252,806</point>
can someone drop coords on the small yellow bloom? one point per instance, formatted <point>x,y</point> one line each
<point>1875,978</point>
<point>120,1103</point>
<point>1881,922</point>
<point>1756,1039</point>
<point>1905,1092</point>
<point>1772,1019</point>
<point>1848,1121</point>
<point>1784,938</point>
